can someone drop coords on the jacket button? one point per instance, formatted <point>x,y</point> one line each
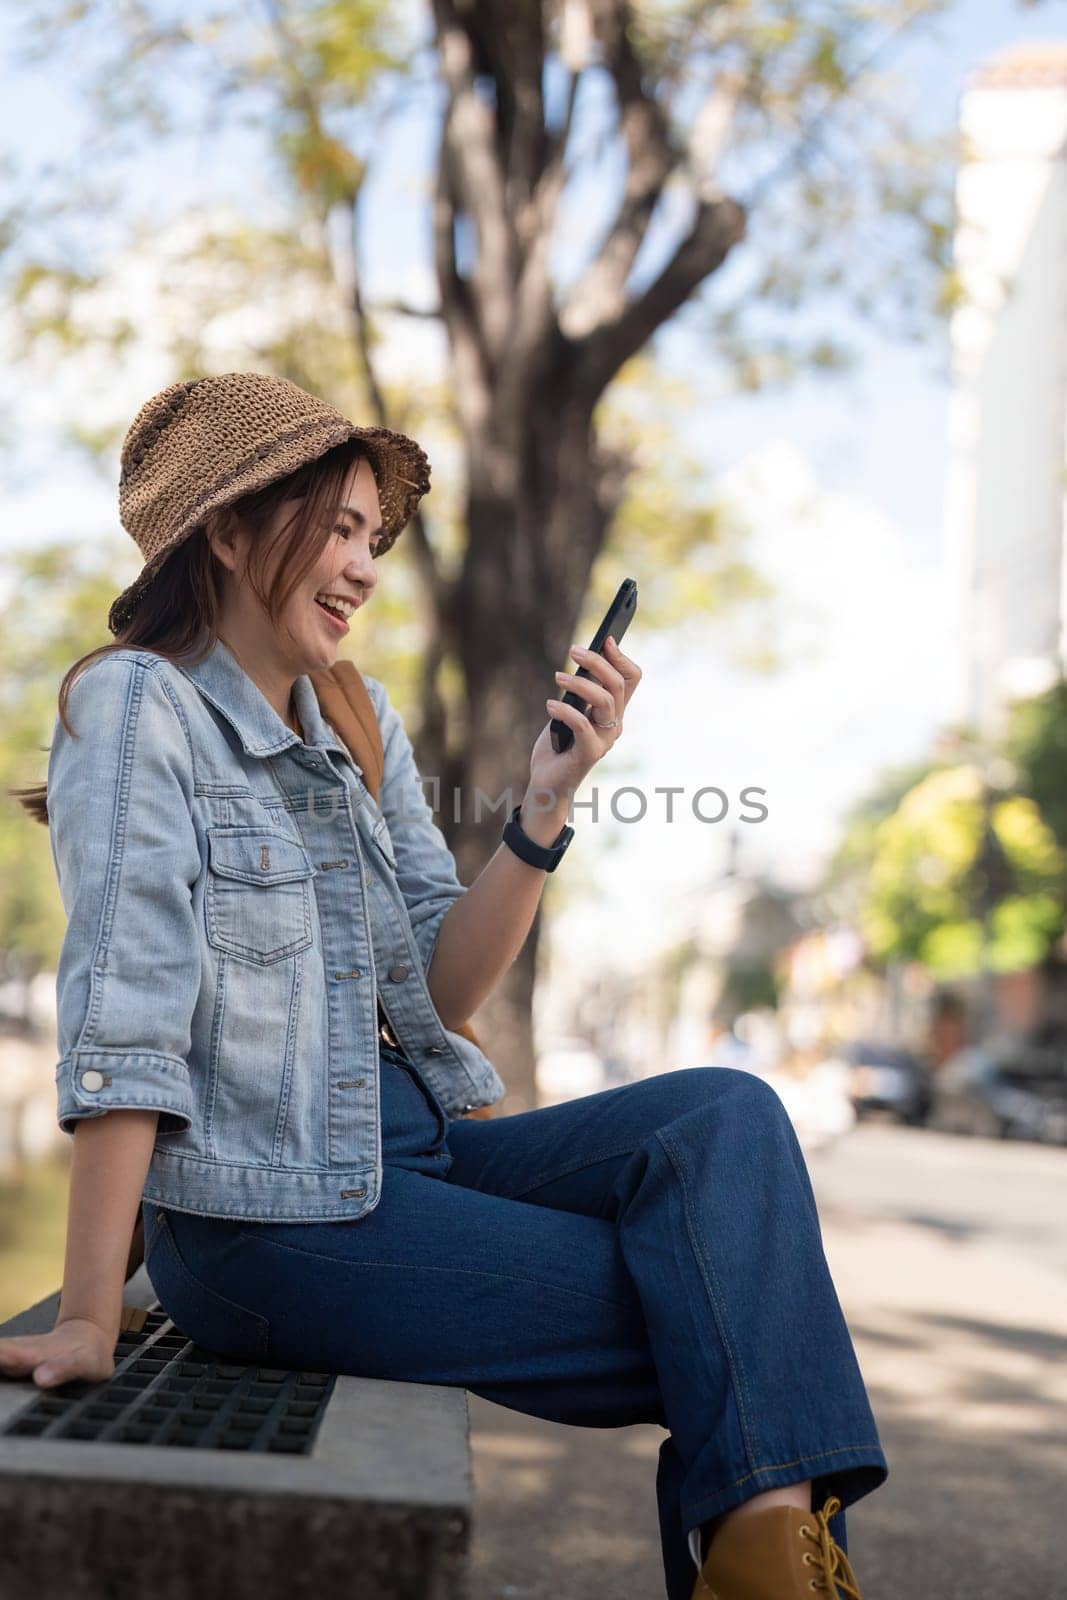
<point>398,974</point>
<point>435,1050</point>
<point>92,1080</point>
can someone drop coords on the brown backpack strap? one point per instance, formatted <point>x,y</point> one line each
<point>347,706</point>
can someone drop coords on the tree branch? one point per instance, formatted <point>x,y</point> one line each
<point>600,293</point>
<point>509,40</point>
<point>557,147</point>
<point>536,322</point>
<point>478,177</point>
<point>470,359</point>
<point>718,225</point>
<point>399,308</point>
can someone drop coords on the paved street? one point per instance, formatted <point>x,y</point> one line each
<point>950,1258</point>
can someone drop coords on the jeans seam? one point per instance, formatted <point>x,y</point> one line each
<point>739,1379</point>
<point>813,1455</point>
<point>260,1322</point>
<point>467,1272</point>
<point>714,1494</point>
<point>550,1174</point>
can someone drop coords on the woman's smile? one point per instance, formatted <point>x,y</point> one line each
<point>334,619</point>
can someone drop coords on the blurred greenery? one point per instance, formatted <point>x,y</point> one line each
<point>922,901</point>
<point>1035,745</point>
<point>848,865</point>
<point>33,1230</point>
<point>55,597</point>
<point>845,210</point>
<point>963,868</point>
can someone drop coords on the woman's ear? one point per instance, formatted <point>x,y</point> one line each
<point>222,531</point>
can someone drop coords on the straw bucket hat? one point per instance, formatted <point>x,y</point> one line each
<point>199,445</point>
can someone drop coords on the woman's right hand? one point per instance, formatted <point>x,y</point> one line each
<point>74,1349</point>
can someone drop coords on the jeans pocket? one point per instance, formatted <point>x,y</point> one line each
<point>201,1313</point>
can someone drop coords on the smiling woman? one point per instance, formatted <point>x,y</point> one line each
<point>242,523</point>
<point>326,526</point>
<point>245,915</point>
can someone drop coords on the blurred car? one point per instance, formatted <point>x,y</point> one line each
<point>1003,1093</point>
<point>886,1078</point>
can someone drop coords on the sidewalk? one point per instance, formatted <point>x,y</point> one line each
<point>961,1331</point>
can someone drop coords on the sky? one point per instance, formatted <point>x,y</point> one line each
<point>843,481</point>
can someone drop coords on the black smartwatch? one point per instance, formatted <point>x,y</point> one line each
<point>547,857</point>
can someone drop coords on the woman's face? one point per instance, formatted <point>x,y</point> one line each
<point>308,635</point>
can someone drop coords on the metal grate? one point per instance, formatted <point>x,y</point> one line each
<point>167,1391</point>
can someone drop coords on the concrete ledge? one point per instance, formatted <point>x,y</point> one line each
<point>379,1508</point>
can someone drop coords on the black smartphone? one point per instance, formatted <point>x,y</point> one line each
<point>617,619</point>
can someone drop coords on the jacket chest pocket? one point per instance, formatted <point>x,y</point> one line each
<point>258,894</point>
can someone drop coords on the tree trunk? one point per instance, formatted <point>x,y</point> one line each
<point>526,375</point>
<point>533,539</point>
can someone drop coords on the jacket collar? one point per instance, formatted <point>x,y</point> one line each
<point>262,732</point>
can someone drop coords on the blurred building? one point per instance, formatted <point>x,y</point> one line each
<point>653,1010</point>
<point>1005,499</point>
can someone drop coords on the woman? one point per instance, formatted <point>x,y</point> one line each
<point>258,995</point>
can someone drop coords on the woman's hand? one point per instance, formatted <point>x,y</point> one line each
<point>76,1348</point>
<point>615,677</point>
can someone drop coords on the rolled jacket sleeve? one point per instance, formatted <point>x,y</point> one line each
<point>426,868</point>
<point>127,858</point>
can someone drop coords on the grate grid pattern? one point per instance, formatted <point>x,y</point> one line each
<point>167,1391</point>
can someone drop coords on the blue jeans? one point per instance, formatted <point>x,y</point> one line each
<point>650,1253</point>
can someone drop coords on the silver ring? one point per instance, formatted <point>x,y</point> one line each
<point>613,724</point>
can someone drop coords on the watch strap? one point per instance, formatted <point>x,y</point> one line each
<point>547,857</point>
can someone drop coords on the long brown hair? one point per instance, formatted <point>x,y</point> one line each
<point>178,612</point>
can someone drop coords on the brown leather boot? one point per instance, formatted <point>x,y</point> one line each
<point>781,1553</point>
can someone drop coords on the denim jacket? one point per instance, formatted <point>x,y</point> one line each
<point>218,874</point>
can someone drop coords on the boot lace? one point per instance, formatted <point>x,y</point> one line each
<point>835,1574</point>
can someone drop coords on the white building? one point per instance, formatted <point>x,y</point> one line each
<point>1005,499</point>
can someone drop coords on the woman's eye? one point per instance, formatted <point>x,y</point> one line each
<point>375,544</point>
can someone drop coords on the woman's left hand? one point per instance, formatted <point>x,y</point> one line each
<point>608,692</point>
